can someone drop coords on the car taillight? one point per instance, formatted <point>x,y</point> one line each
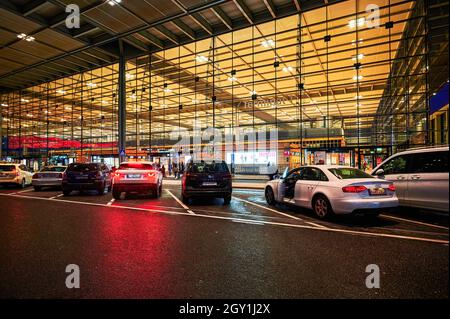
<point>152,174</point>
<point>17,173</point>
<point>354,189</point>
<point>391,187</point>
<point>60,175</point>
<point>64,176</point>
<point>36,176</point>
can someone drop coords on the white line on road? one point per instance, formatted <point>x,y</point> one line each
<point>181,203</point>
<point>111,202</point>
<point>25,191</point>
<point>246,221</point>
<point>57,196</point>
<point>414,221</point>
<point>277,212</point>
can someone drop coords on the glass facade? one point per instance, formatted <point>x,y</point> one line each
<point>344,84</point>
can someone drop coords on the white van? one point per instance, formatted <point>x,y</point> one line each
<point>420,177</point>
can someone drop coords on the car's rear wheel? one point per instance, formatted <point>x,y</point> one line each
<point>322,207</point>
<point>116,194</point>
<point>37,188</point>
<point>270,196</point>
<point>185,199</point>
<point>23,183</point>
<point>227,200</point>
<point>66,192</point>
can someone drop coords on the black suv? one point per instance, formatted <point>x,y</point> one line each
<point>86,176</point>
<point>207,180</point>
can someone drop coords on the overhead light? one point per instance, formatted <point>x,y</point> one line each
<point>167,90</point>
<point>25,100</point>
<point>358,97</point>
<point>129,76</point>
<point>313,101</point>
<point>92,85</point>
<point>61,92</point>
<point>133,96</point>
<point>287,69</point>
<point>201,58</point>
<point>353,23</point>
<point>359,41</point>
<point>268,43</point>
<point>23,36</point>
<point>357,78</point>
<point>105,102</point>
<point>29,115</point>
<point>358,57</point>
<point>195,101</point>
<point>114,2</point>
<point>68,108</point>
<point>253,93</point>
<point>232,78</point>
<point>4,104</point>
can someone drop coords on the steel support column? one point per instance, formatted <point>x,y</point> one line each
<point>122,116</point>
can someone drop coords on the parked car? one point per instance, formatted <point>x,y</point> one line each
<point>207,180</point>
<point>49,176</point>
<point>137,177</point>
<point>328,190</point>
<point>420,177</point>
<point>86,176</point>
<point>15,174</point>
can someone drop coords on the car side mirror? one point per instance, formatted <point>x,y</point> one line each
<point>379,172</point>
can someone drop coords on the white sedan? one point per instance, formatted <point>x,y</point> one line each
<point>137,177</point>
<point>332,190</point>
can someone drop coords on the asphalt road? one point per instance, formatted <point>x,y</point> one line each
<point>159,248</point>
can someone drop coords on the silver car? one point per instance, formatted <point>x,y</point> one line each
<point>420,177</point>
<point>49,176</point>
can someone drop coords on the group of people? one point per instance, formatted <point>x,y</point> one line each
<point>174,169</point>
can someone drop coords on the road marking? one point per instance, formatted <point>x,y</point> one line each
<point>246,221</point>
<point>25,191</point>
<point>180,202</point>
<point>57,196</point>
<point>277,212</point>
<point>111,202</point>
<point>414,221</point>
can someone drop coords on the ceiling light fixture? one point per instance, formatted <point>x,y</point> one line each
<point>25,100</point>
<point>232,78</point>
<point>61,92</point>
<point>114,2</point>
<point>358,57</point>
<point>287,69</point>
<point>359,42</point>
<point>360,22</point>
<point>357,78</point>
<point>23,36</point>
<point>4,105</point>
<point>268,43</point>
<point>91,85</point>
<point>201,59</point>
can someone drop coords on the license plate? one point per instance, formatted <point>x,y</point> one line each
<point>134,176</point>
<point>82,177</point>
<point>210,184</point>
<point>377,191</point>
